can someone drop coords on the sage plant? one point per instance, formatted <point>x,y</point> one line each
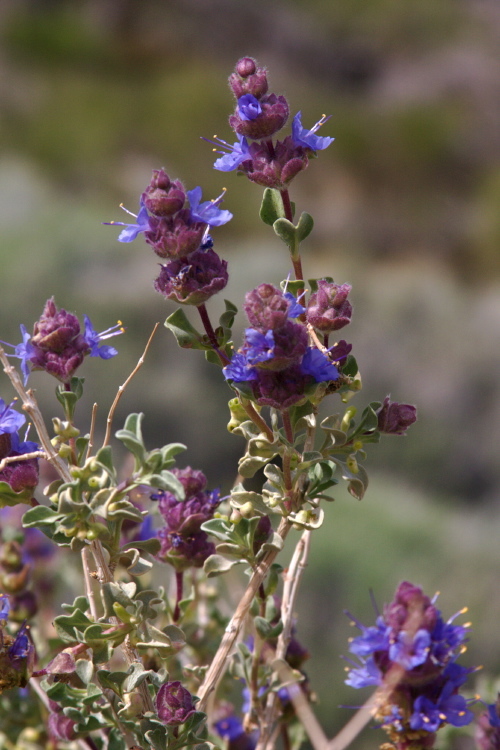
<point>127,664</point>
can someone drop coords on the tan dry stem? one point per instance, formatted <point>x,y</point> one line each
<point>216,669</point>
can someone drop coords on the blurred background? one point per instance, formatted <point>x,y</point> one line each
<point>94,94</point>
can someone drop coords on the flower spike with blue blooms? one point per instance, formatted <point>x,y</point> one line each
<point>23,351</point>
<point>93,339</point>
<point>303,137</point>
<point>412,650</point>
<point>132,230</point>
<point>208,212</point>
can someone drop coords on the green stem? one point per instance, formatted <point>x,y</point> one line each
<point>257,419</point>
<point>296,260</point>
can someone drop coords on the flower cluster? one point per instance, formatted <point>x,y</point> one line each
<point>275,365</point>
<point>175,224</point>
<point>58,345</point>
<point>487,733</point>
<point>21,475</point>
<point>411,654</point>
<point>257,117</point>
<point>183,543</point>
<point>17,653</point>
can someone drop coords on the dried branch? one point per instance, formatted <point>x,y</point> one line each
<point>121,389</point>
<point>23,457</point>
<point>293,577</point>
<point>219,662</point>
<point>30,406</point>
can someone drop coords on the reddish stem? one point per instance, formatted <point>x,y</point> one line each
<point>287,205</point>
<point>297,268</point>
<point>287,424</point>
<point>211,333</point>
<point>179,580</point>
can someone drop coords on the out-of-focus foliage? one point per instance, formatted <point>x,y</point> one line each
<point>96,94</point>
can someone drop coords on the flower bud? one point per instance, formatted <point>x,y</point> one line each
<point>58,345</point>
<point>394,418</point>
<point>174,704</point>
<point>248,79</point>
<point>266,307</point>
<point>262,533</point>
<point>329,309</point>
<point>163,197</point>
<point>245,67</point>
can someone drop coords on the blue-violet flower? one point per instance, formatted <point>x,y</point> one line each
<point>93,339</point>
<point>207,212</point>
<point>303,137</point>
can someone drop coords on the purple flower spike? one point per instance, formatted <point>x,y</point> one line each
<point>249,107</point>
<point>132,230</point>
<point>409,642</point>
<point>192,280</point>
<point>183,543</point>
<point>308,138</point>
<point>207,212</point>
<point>10,419</point>
<point>93,339</point>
